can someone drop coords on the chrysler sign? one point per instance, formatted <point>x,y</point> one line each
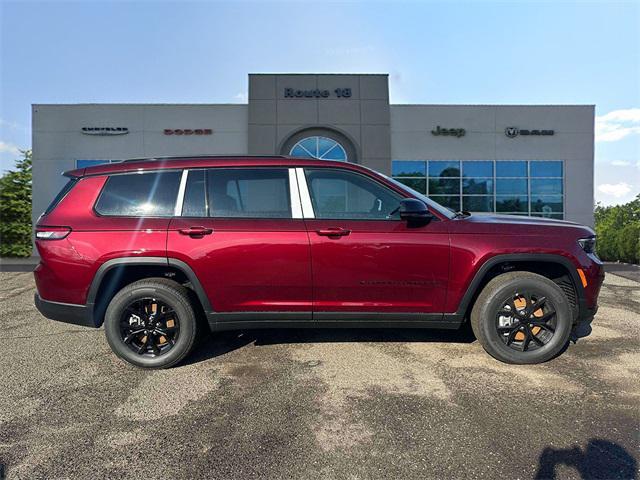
<point>513,132</point>
<point>105,130</point>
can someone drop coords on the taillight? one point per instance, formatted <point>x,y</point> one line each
<point>52,233</point>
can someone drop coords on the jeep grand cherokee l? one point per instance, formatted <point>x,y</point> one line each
<point>149,247</point>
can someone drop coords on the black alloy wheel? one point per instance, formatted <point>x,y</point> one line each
<point>526,321</point>
<point>152,323</point>
<point>149,327</point>
<point>522,318</point>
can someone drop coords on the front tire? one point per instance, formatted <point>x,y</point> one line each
<point>151,323</point>
<point>522,318</point>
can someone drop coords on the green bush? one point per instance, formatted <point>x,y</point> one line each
<point>618,230</point>
<point>15,209</point>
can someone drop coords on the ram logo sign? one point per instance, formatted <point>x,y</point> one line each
<point>513,132</point>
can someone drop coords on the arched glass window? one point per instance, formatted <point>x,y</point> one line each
<point>322,148</point>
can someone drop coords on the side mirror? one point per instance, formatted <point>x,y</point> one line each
<point>414,211</point>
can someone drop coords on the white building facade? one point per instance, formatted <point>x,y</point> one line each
<point>516,159</point>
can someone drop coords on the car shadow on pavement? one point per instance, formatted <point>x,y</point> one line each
<point>601,459</point>
<point>220,343</point>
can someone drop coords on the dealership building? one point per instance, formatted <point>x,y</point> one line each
<point>516,159</point>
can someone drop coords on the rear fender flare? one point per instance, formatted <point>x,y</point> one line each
<point>142,261</point>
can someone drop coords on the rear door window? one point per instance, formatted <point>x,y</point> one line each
<point>151,194</point>
<point>249,193</point>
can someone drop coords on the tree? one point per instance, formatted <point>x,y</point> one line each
<point>618,229</point>
<point>15,209</point>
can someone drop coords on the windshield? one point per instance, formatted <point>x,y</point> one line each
<point>430,203</point>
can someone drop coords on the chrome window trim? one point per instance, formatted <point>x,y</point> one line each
<point>305,197</point>
<point>296,202</point>
<point>177,212</point>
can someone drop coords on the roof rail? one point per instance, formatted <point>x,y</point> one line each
<point>179,157</point>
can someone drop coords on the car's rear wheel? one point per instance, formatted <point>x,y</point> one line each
<point>522,317</point>
<point>151,323</point>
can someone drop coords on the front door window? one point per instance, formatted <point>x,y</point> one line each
<point>340,194</point>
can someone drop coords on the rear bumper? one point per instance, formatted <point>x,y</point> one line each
<point>64,312</point>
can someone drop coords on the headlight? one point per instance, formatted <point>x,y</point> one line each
<point>588,244</point>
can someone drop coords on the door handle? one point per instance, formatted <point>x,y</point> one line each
<point>333,232</point>
<point>196,231</point>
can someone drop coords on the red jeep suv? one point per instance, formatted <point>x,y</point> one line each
<point>150,247</point>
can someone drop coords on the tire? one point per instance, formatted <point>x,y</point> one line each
<point>145,297</point>
<point>501,333</point>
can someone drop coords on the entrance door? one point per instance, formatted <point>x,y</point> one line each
<point>364,258</point>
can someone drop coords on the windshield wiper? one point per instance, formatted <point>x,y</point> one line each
<point>462,214</point>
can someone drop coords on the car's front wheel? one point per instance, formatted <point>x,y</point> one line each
<point>151,323</point>
<point>522,317</point>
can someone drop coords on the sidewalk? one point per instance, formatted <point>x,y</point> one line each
<point>626,270</point>
<point>18,264</point>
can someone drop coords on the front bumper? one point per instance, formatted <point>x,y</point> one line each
<point>64,312</point>
<point>582,326</point>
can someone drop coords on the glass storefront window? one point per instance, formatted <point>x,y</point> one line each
<point>408,168</point>
<point>444,169</point>
<point>545,169</point>
<point>90,163</point>
<point>517,187</point>
<point>479,203</point>
<point>546,186</point>
<point>476,168</point>
<point>477,186</point>
<point>511,185</point>
<point>449,201</point>
<point>442,186</point>
<point>322,148</point>
<point>546,204</point>
<point>557,216</point>
<point>511,169</point>
<point>512,203</point>
<point>418,184</point>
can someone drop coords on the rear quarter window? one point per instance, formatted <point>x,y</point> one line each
<point>63,193</point>
<point>151,194</point>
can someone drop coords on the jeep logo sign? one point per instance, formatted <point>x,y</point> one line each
<point>452,132</point>
<point>513,132</point>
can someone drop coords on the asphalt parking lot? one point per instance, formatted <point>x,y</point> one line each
<point>318,404</point>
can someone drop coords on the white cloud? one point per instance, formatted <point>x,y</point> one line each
<point>620,163</point>
<point>12,125</point>
<point>617,190</point>
<point>242,97</point>
<point>617,125</point>
<point>9,148</point>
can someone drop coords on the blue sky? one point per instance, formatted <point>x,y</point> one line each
<point>201,52</point>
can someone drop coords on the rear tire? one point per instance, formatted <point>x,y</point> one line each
<point>522,318</point>
<point>151,323</point>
